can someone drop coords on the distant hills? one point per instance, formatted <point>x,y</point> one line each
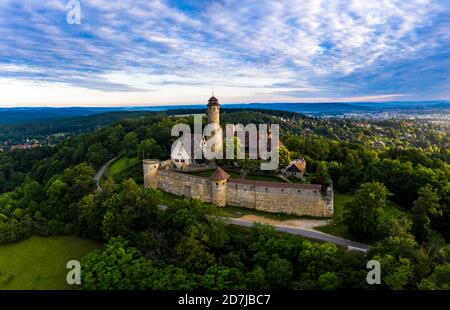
<point>27,115</point>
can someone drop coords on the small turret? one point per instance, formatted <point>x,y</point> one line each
<point>219,187</point>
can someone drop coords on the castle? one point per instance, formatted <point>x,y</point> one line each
<point>221,190</point>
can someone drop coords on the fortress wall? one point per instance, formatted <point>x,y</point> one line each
<point>166,164</point>
<point>276,198</point>
<point>185,185</point>
<point>306,202</point>
<point>265,196</point>
<point>241,195</point>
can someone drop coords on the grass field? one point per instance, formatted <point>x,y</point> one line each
<point>40,262</point>
<point>235,175</point>
<point>120,165</point>
<point>208,173</point>
<point>268,178</point>
<point>337,227</point>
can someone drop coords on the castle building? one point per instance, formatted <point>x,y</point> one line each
<point>296,168</point>
<point>182,156</point>
<point>221,190</point>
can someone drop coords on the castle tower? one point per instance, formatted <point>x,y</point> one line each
<point>214,118</point>
<point>151,167</point>
<point>219,187</point>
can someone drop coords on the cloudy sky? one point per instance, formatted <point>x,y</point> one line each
<point>171,52</point>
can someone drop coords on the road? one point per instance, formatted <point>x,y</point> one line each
<point>100,172</point>
<point>307,233</point>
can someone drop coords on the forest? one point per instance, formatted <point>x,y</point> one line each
<point>50,191</point>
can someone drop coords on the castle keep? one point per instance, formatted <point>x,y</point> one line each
<point>221,190</point>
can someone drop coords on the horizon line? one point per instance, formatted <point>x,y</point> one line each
<point>201,104</point>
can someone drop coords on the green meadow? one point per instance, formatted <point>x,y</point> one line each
<point>39,263</point>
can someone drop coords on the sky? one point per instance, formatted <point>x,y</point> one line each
<point>156,52</point>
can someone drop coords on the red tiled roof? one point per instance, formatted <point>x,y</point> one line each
<point>219,175</point>
<point>296,167</point>
<point>213,101</point>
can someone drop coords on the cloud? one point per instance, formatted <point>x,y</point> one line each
<point>252,50</point>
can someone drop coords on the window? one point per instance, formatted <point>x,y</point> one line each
<point>182,160</point>
<point>177,160</point>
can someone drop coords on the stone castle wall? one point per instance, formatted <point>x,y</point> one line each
<point>184,185</point>
<point>297,199</point>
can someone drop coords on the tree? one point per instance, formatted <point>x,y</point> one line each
<point>148,148</point>
<point>171,277</point>
<point>256,279</point>
<point>130,209</point>
<point>343,184</point>
<point>97,154</point>
<point>329,281</point>
<point>318,149</point>
<point>316,259</point>
<point>118,266</point>
<point>425,207</point>
<point>130,143</point>
<point>285,157</point>
<point>397,176</point>
<point>80,179</point>
<point>438,280</point>
<point>363,212</point>
<point>90,217</point>
<point>222,278</point>
<point>397,272</point>
<point>322,176</point>
<point>279,273</point>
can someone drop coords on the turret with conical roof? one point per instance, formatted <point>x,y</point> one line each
<point>213,101</point>
<point>219,175</point>
<point>213,111</point>
<point>219,187</point>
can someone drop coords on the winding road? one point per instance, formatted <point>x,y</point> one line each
<point>307,233</point>
<point>100,172</point>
